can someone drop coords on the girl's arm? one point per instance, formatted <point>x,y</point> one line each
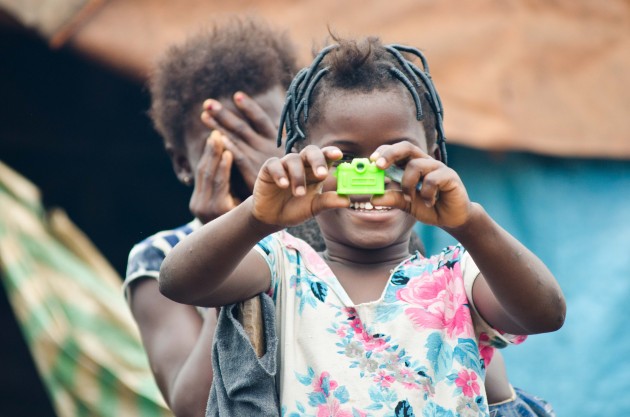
<point>515,292</point>
<point>177,341</point>
<point>216,265</point>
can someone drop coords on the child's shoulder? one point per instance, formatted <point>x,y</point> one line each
<point>285,240</point>
<point>454,260</point>
<point>168,238</point>
<point>450,254</point>
<point>146,257</point>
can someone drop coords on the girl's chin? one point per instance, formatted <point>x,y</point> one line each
<point>369,229</point>
<point>372,236</point>
<point>372,242</point>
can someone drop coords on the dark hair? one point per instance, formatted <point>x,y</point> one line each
<point>363,66</point>
<point>242,54</point>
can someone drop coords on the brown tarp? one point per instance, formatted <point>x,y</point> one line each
<point>551,77</point>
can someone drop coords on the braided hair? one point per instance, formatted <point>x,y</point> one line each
<point>361,66</point>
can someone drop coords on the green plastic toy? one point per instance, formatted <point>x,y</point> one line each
<point>361,176</point>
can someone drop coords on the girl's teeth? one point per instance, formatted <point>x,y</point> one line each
<point>366,206</point>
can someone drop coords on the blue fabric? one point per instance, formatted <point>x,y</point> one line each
<point>524,405</point>
<point>146,257</point>
<point>575,215</point>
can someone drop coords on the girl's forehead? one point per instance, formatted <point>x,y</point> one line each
<point>369,118</point>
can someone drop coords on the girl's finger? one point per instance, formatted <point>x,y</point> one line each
<point>242,161</point>
<point>332,153</point>
<point>208,121</point>
<point>392,198</point>
<point>328,200</point>
<point>313,157</point>
<point>295,168</point>
<point>275,168</point>
<point>386,155</point>
<point>209,161</point>
<point>232,124</point>
<point>221,180</point>
<point>415,170</point>
<point>433,182</point>
<point>255,115</point>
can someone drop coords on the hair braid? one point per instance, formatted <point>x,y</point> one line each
<point>368,66</point>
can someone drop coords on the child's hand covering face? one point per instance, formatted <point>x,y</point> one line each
<point>442,201</point>
<point>288,190</point>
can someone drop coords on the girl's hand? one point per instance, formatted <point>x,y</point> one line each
<point>442,201</point>
<point>211,196</point>
<point>288,190</point>
<point>250,136</point>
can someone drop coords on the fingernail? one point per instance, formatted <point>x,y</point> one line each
<point>374,156</point>
<point>428,203</point>
<point>215,135</point>
<point>322,171</point>
<point>380,162</point>
<point>300,190</point>
<point>239,96</point>
<point>213,105</point>
<point>283,181</point>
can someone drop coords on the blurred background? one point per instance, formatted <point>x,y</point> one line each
<point>537,100</point>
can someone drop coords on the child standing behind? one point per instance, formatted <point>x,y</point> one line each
<point>216,62</point>
<point>365,327</point>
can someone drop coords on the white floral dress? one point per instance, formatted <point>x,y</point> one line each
<point>413,352</point>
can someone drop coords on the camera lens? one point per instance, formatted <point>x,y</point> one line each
<point>360,167</point>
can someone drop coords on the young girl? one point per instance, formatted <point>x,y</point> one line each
<point>365,327</point>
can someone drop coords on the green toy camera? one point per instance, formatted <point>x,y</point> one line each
<point>361,176</point>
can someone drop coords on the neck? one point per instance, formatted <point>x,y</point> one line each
<point>342,253</point>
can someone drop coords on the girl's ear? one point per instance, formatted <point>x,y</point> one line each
<point>181,165</point>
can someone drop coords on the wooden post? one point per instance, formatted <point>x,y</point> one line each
<point>250,317</point>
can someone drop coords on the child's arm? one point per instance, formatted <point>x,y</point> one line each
<point>206,267</point>
<point>177,341</point>
<point>515,292</point>
<point>216,265</point>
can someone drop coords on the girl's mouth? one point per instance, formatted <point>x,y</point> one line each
<point>368,207</point>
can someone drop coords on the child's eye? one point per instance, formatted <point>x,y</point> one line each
<point>345,158</point>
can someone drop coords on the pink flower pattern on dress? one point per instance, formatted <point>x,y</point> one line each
<point>332,409</point>
<point>324,383</point>
<point>467,381</point>
<point>439,301</point>
<point>383,379</point>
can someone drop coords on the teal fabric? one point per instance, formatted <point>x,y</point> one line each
<point>575,215</point>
